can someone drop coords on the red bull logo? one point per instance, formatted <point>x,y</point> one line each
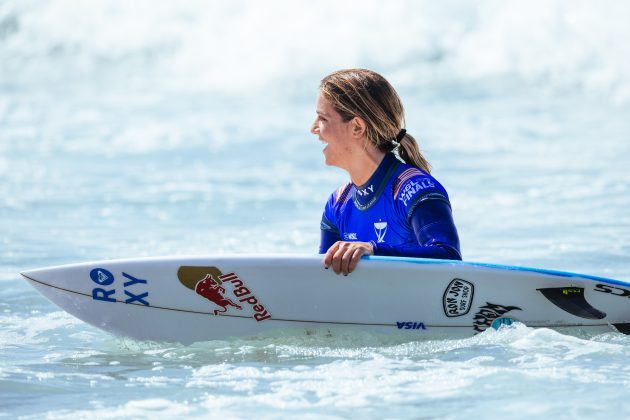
<point>225,291</point>
<point>209,288</point>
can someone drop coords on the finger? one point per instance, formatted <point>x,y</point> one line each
<point>338,257</point>
<point>346,259</point>
<point>328,258</point>
<point>356,257</point>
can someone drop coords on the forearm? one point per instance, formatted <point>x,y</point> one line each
<point>327,239</point>
<point>438,251</point>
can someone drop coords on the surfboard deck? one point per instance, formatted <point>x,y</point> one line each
<point>200,298</point>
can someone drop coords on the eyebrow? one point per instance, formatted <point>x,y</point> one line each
<point>322,113</point>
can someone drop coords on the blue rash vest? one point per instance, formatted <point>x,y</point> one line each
<point>401,210</point>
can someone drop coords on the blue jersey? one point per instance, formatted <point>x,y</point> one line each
<point>401,210</point>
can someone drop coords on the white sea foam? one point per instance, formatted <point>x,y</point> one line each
<point>20,330</point>
<point>213,45</point>
<point>136,408</point>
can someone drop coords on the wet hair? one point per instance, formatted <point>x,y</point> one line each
<point>369,96</point>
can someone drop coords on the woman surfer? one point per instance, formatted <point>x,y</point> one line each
<point>391,206</point>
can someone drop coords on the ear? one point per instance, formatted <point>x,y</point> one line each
<point>358,127</point>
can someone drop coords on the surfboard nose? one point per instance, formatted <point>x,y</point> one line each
<point>29,271</point>
<point>36,274</point>
<point>51,273</point>
<point>27,274</point>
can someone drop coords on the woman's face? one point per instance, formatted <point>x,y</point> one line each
<point>334,133</point>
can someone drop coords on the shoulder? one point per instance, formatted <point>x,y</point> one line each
<point>342,193</point>
<point>335,202</point>
<point>338,198</point>
<point>412,186</point>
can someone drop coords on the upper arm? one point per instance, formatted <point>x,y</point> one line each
<point>414,187</point>
<point>329,225</point>
<point>433,225</point>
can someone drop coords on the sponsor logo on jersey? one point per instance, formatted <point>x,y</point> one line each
<point>350,236</point>
<point>380,228</point>
<point>412,187</point>
<point>365,191</point>
<point>106,291</point>
<point>458,298</point>
<point>488,313</point>
<point>226,291</point>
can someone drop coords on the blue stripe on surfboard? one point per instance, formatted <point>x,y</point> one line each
<point>556,273</point>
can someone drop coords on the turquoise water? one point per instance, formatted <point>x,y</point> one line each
<point>160,129</point>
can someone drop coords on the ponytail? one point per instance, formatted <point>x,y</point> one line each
<point>409,152</point>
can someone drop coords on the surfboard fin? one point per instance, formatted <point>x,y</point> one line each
<point>623,328</point>
<point>571,300</point>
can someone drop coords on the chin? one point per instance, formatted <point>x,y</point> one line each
<point>331,161</point>
<point>334,164</point>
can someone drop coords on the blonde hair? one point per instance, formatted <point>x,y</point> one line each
<point>369,96</point>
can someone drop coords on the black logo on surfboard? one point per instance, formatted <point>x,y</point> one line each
<point>458,298</point>
<point>488,313</point>
<point>613,290</point>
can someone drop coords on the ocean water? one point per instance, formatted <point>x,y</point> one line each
<point>160,128</point>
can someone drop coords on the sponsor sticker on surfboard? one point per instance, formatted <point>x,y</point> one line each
<point>458,298</point>
<point>228,293</point>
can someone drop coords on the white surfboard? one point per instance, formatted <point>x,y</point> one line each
<point>189,299</point>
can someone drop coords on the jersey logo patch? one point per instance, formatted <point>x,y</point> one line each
<point>404,177</point>
<point>366,191</point>
<point>380,228</point>
<point>412,188</point>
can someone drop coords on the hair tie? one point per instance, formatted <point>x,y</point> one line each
<point>400,136</point>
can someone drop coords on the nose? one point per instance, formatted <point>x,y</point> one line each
<point>315,128</point>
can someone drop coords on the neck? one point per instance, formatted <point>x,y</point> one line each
<point>364,164</point>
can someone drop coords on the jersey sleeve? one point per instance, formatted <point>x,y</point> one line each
<point>414,187</point>
<point>329,225</point>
